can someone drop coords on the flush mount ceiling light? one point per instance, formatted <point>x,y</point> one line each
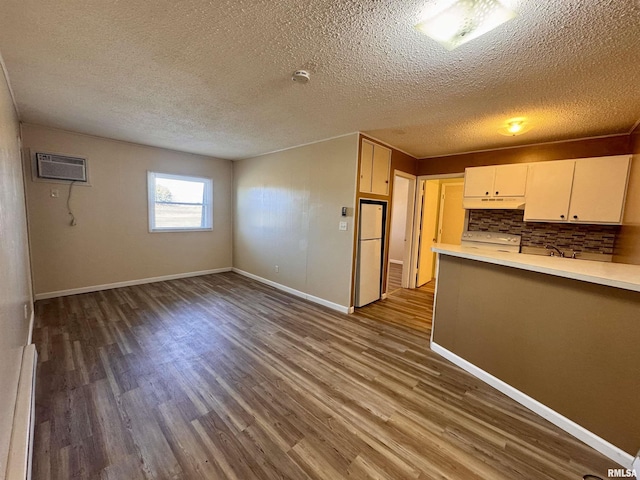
<point>464,21</point>
<point>514,126</point>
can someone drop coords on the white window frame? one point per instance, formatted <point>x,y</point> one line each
<point>207,205</point>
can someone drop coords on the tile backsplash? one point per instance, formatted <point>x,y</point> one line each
<point>566,236</point>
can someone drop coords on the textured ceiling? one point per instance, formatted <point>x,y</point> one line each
<point>213,77</point>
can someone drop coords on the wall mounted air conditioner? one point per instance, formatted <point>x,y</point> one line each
<point>51,166</point>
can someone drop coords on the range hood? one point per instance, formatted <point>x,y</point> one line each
<point>497,203</point>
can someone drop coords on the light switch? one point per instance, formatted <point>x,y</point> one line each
<point>342,226</point>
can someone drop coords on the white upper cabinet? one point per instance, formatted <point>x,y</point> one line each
<point>496,181</point>
<point>589,190</point>
<point>375,167</point>
<point>599,187</point>
<point>510,180</point>
<point>478,181</point>
<point>366,166</point>
<point>549,191</point>
<point>381,170</point>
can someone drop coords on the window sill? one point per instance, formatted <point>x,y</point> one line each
<point>165,230</point>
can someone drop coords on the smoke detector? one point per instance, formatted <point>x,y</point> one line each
<point>301,76</point>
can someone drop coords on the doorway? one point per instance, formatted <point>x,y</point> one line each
<point>440,218</point>
<point>402,208</point>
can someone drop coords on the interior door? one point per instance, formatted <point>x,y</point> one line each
<point>451,221</point>
<point>428,232</point>
<point>408,234</point>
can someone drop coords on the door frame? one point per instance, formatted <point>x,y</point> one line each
<point>408,231</point>
<point>417,217</point>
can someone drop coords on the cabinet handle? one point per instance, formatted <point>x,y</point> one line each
<point>561,216</point>
<point>486,193</point>
<point>497,193</point>
<point>575,217</point>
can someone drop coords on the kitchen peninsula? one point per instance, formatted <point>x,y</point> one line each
<point>561,336</point>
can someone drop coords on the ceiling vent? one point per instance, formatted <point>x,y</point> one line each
<point>61,167</point>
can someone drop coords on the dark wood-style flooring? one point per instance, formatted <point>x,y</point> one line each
<point>394,279</point>
<point>221,377</point>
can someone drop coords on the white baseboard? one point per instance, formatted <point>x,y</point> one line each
<point>128,283</point>
<point>21,446</point>
<point>297,293</point>
<point>397,262</point>
<point>600,444</point>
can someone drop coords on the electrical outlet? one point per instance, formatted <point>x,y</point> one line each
<point>55,193</point>
<point>277,268</point>
<point>342,226</point>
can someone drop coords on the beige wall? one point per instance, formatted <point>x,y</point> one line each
<point>571,345</point>
<point>15,286</point>
<point>111,242</point>
<point>287,211</point>
<point>398,218</point>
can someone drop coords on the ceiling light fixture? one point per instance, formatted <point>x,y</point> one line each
<point>514,126</point>
<point>464,21</point>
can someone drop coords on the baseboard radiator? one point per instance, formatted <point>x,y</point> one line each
<point>21,447</point>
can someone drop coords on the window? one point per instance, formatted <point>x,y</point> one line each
<point>179,202</point>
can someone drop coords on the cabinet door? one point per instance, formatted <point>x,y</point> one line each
<point>599,187</point>
<point>381,167</point>
<point>478,181</point>
<point>510,181</point>
<point>549,191</point>
<point>366,166</point>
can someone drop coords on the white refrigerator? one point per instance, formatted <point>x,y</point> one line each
<point>369,265</point>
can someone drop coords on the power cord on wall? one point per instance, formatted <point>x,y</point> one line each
<point>73,222</point>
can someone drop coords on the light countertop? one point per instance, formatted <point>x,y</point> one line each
<point>617,275</point>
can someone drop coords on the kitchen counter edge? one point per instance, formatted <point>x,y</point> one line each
<point>618,275</point>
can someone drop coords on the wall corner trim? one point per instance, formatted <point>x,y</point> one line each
<point>21,445</point>
<point>128,283</point>
<point>600,444</point>
<point>297,293</point>
<point>32,321</point>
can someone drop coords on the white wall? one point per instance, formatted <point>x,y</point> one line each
<point>15,286</point>
<point>398,218</point>
<point>287,211</point>
<point>111,242</point>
